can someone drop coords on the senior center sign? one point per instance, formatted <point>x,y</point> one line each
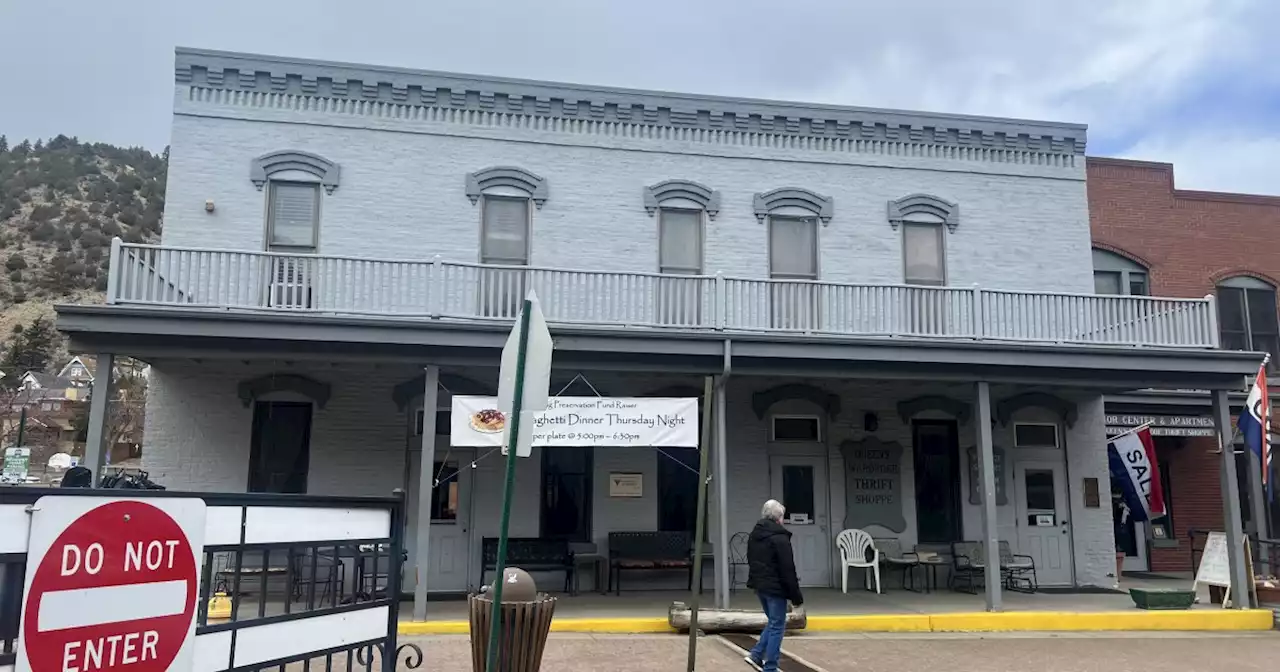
<point>583,421</point>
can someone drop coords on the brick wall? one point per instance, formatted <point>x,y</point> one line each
<point>1188,240</point>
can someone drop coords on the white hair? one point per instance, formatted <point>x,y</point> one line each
<point>773,510</point>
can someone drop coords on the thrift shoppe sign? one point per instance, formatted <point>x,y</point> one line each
<point>583,421</point>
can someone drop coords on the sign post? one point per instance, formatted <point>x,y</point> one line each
<point>111,584</point>
<point>524,378</point>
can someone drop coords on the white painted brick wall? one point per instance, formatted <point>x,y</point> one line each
<point>198,435</point>
<point>402,196</point>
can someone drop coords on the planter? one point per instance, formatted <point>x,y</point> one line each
<point>1268,595</point>
<point>1162,599</point>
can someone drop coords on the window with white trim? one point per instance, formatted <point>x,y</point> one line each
<point>293,216</point>
<point>1247,316</point>
<point>679,300</point>
<point>797,428</point>
<point>924,253</point>
<point>1035,435</point>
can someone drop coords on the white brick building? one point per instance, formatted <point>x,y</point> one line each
<point>852,278</point>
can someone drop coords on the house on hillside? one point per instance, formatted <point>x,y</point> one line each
<point>897,309</point>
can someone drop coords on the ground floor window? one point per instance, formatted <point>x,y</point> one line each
<point>678,489</point>
<point>280,447</point>
<point>566,492</point>
<point>937,465</point>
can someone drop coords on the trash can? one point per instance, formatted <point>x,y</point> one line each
<point>525,625</point>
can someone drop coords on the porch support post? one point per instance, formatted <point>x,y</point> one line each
<point>1240,582</point>
<point>990,524</point>
<point>95,447</point>
<point>426,479</point>
<point>722,558</point>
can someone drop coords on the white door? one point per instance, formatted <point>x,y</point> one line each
<point>1044,531</point>
<point>446,571</point>
<point>800,483</point>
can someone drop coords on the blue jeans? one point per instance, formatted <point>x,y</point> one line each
<point>770,645</point>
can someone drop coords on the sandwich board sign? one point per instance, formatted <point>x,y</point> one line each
<point>111,584</point>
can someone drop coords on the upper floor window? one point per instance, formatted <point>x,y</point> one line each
<point>293,181</point>
<point>1114,274</point>
<point>922,218</point>
<point>1247,316</point>
<point>793,215</point>
<point>680,206</point>
<point>506,194</point>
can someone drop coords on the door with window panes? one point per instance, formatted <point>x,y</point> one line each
<point>505,244</point>
<point>293,212</point>
<point>447,568</point>
<point>679,299</point>
<point>794,299</point>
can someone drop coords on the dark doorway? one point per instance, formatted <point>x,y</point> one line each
<point>936,446</point>
<point>566,492</point>
<point>678,489</point>
<point>280,453</point>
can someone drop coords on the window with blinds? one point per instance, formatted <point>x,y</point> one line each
<point>924,260</point>
<point>679,300</point>
<point>1247,317</point>
<point>793,255</point>
<point>293,215</point>
<point>504,242</point>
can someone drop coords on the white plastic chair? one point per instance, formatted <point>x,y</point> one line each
<point>853,554</point>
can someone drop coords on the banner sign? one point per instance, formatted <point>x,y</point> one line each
<point>664,422</point>
<point>1132,462</point>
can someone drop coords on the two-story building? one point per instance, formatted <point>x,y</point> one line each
<point>875,292</point>
<point>1151,238</point>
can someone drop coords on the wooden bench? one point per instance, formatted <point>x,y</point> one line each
<point>648,551</point>
<point>531,554</point>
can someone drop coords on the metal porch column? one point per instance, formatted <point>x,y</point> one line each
<point>95,447</point>
<point>990,524</point>
<point>722,554</point>
<point>1240,581</point>
<point>426,480</point>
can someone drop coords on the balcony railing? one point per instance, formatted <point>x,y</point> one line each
<point>265,281</point>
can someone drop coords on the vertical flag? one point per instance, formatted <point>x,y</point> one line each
<point>1132,461</point>
<point>1254,424</point>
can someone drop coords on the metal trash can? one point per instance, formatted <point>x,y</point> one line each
<point>523,637</point>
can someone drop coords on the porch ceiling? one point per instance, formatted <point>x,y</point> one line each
<point>151,333</point>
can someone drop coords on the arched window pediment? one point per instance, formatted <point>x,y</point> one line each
<point>510,177</point>
<point>794,197</point>
<point>687,190</point>
<point>902,209</point>
<point>250,390</point>
<point>263,167</point>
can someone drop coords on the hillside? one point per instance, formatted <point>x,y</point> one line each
<point>61,203</point>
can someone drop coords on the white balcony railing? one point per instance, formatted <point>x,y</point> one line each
<point>265,281</point>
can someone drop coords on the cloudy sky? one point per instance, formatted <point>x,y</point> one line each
<point>1193,82</point>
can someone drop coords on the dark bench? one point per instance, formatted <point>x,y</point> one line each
<point>531,554</point>
<point>648,551</point>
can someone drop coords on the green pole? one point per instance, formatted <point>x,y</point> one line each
<point>22,427</point>
<point>513,437</point>
<point>699,526</point>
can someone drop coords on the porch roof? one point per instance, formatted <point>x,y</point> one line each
<point>149,332</point>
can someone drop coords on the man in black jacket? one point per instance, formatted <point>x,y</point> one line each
<point>772,573</point>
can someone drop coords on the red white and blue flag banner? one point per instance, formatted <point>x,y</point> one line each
<point>1254,424</point>
<point>1132,461</point>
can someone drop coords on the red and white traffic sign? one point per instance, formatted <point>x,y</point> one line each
<point>111,584</point>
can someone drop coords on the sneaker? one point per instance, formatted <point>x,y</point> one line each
<point>754,663</point>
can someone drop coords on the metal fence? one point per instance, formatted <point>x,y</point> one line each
<point>296,581</point>
<point>223,279</point>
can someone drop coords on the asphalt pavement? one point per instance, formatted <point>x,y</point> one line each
<point>1020,652</point>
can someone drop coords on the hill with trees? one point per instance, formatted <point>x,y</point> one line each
<point>61,203</point>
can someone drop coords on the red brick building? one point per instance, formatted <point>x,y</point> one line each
<point>1152,238</point>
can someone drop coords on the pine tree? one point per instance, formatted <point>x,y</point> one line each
<point>30,349</point>
<point>4,144</point>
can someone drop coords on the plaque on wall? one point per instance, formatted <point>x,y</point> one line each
<point>1092,499</point>
<point>873,484</point>
<point>975,476</point>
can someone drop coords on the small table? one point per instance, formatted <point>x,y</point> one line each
<point>931,563</point>
<point>597,563</point>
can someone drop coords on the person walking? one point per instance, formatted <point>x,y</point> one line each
<point>772,574</point>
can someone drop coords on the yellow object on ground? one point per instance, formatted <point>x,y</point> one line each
<point>219,606</point>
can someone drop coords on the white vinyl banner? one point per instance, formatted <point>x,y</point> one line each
<point>583,421</point>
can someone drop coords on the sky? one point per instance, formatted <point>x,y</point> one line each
<point>1191,82</point>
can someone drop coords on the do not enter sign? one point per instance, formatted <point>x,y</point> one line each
<point>111,584</point>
